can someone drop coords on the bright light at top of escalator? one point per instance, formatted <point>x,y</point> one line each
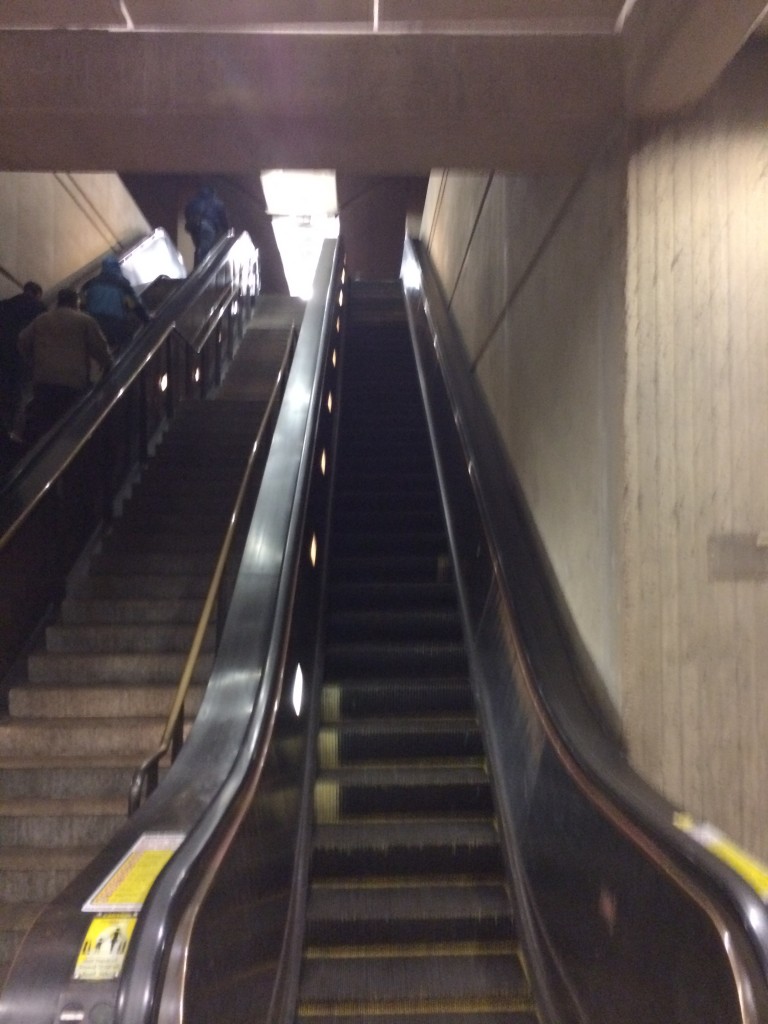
<point>303,208</point>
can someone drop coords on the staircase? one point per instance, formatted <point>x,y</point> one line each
<point>89,702</point>
<point>408,917</point>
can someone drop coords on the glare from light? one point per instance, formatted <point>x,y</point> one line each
<point>330,401</point>
<point>197,375</point>
<point>322,462</point>
<point>313,551</point>
<point>333,358</point>
<point>164,382</point>
<point>303,208</point>
<point>298,690</point>
<point>338,324</point>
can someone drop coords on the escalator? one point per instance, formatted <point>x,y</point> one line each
<point>396,803</point>
<point>408,915</point>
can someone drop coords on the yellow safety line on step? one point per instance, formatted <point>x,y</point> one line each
<point>381,1008</point>
<point>407,882</point>
<point>328,748</point>
<point>331,703</point>
<point>326,801</point>
<point>414,950</point>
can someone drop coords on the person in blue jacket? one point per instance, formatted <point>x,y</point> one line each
<point>111,300</point>
<point>206,221</point>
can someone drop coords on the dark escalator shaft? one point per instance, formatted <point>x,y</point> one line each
<point>408,916</point>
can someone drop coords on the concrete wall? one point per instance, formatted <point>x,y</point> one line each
<point>618,323</point>
<point>53,224</point>
<point>533,269</point>
<point>695,606</point>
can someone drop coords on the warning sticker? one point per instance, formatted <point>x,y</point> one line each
<point>127,887</point>
<point>102,953</point>
<point>753,871</point>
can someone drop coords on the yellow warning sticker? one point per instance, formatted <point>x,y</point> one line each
<point>126,888</point>
<point>102,953</point>
<point>753,871</point>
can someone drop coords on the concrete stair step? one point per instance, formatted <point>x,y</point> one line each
<point>156,563</point>
<point>82,611</point>
<point>145,542</point>
<point>118,638</point>
<point>106,669</point>
<point>15,921</point>
<point>209,502</point>
<point>57,778</point>
<point>190,521</point>
<point>31,822</point>
<point>97,702</point>
<point>191,586</point>
<point>30,875</point>
<point>80,737</point>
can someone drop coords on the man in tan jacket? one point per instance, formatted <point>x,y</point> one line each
<point>59,346</point>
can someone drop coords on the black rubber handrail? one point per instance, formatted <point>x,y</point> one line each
<point>588,751</point>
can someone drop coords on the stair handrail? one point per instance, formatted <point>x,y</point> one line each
<point>145,777</point>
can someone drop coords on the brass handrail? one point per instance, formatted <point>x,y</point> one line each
<point>146,775</point>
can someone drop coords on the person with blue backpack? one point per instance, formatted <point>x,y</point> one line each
<point>205,220</point>
<point>111,300</point>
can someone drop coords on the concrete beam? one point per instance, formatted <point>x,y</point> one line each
<point>372,103</point>
<point>331,15</point>
<point>676,49</point>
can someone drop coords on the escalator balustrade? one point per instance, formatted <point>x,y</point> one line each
<point>409,916</point>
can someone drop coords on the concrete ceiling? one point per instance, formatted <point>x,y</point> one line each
<point>362,86</point>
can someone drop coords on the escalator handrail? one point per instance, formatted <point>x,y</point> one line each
<point>140,787</point>
<point>253,646</point>
<point>593,759</point>
<point>57,450</point>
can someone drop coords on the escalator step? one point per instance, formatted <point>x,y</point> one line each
<point>378,697</point>
<point>443,979</point>
<point>405,658</point>
<point>428,594</point>
<point>385,740</point>
<point>392,847</point>
<point>384,542</point>
<point>466,910</point>
<point>348,794</point>
<point>390,568</point>
<point>364,625</point>
<point>418,1017</point>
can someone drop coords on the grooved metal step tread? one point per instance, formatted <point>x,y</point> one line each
<point>364,624</point>
<point>451,981</point>
<point>388,832</point>
<point>453,772</point>
<point>400,905</point>
<point>441,1015</point>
